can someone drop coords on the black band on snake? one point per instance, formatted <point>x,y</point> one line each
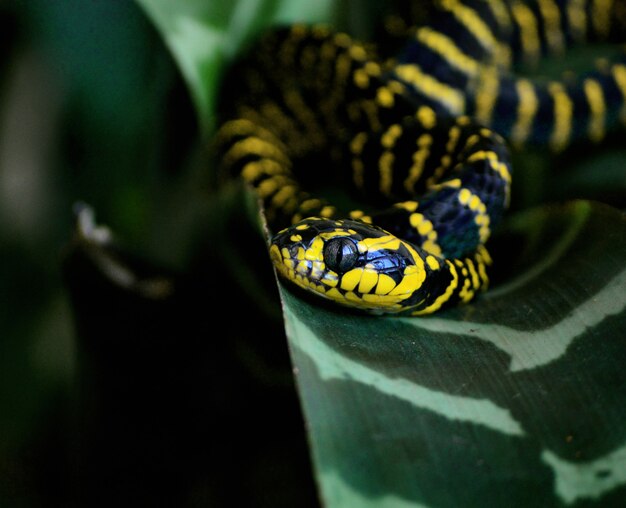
<point>421,136</point>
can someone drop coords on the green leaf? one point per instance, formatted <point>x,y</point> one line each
<point>518,398</point>
<point>204,36</point>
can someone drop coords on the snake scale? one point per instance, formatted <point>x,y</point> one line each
<point>423,136</point>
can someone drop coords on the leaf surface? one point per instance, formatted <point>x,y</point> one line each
<point>204,36</point>
<point>518,398</point>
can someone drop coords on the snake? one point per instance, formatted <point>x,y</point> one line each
<point>421,139</point>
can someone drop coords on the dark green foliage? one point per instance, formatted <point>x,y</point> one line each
<point>115,383</point>
<point>518,397</point>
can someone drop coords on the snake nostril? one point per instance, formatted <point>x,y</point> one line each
<point>293,249</point>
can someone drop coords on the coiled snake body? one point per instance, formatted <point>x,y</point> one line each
<point>421,136</point>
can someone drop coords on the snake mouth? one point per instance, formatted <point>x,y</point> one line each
<point>310,276</point>
<point>306,273</point>
<point>368,274</point>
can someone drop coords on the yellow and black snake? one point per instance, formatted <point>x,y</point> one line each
<point>423,136</point>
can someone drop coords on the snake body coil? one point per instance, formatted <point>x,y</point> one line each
<point>313,106</point>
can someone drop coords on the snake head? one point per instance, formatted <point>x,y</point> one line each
<point>350,262</point>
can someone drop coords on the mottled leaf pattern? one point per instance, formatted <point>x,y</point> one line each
<point>516,400</point>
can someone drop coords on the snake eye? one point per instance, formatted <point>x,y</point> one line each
<point>340,254</point>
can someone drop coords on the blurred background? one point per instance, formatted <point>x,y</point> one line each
<point>124,377</point>
<point>117,385</point>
